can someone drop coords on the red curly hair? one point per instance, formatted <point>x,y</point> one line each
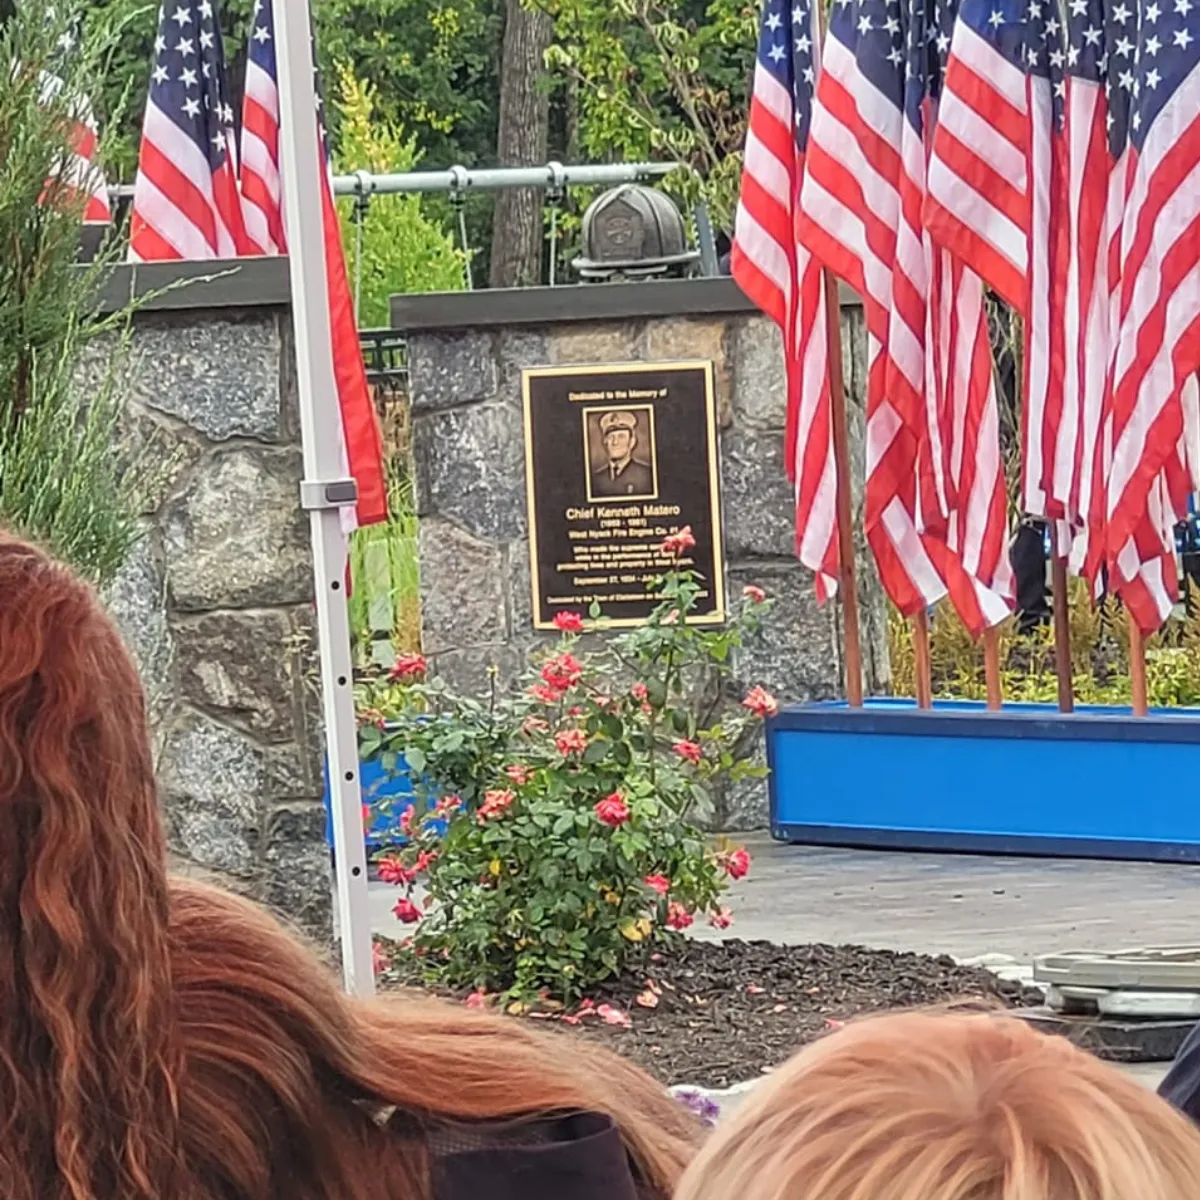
<point>162,1040</point>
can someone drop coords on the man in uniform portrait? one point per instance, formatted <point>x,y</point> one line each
<point>622,473</point>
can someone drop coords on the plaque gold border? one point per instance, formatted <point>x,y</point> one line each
<point>717,616</point>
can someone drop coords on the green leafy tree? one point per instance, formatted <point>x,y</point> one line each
<point>399,249</point>
<point>60,479</point>
<point>657,79</point>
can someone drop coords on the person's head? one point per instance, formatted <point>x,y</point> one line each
<point>86,1033</point>
<point>925,1106</point>
<point>620,434</point>
<point>171,1041</point>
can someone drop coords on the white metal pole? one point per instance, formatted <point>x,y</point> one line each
<point>325,490</point>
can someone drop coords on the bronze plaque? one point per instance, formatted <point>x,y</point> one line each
<point>617,458</point>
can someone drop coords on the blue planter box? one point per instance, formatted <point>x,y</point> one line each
<point>389,794</point>
<point>1097,783</point>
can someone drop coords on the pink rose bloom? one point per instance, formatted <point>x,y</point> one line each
<point>407,912</point>
<point>570,741</point>
<point>761,702</point>
<point>495,802</point>
<point>754,593</point>
<point>678,917</point>
<point>721,919</point>
<point>693,752</point>
<point>568,622</point>
<point>658,883</point>
<point>409,668</point>
<point>612,810</point>
<point>737,863</point>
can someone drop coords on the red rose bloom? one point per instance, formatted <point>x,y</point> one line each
<point>754,593</point>
<point>562,672</point>
<point>760,702</point>
<point>570,741</point>
<point>546,695</point>
<point>612,810</point>
<point>392,870</point>
<point>639,691</point>
<point>693,752</point>
<point>678,917</point>
<point>721,919</point>
<point>496,802</point>
<point>409,668</point>
<point>519,773</point>
<point>677,543</point>
<point>658,883</point>
<point>737,863</point>
<point>568,622</point>
<point>407,912</point>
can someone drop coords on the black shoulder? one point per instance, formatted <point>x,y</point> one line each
<point>579,1156</point>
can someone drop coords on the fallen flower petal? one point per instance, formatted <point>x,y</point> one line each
<point>613,1016</point>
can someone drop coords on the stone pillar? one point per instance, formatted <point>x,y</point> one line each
<point>466,353</point>
<point>217,599</point>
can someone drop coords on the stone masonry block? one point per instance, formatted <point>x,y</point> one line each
<point>682,338</point>
<point>449,369</point>
<point>297,868</point>
<point>219,376</point>
<point>240,666</point>
<point>462,589</point>
<point>238,537</point>
<point>470,467</point>
<point>756,495</point>
<point>759,378</point>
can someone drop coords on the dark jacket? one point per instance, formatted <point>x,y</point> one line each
<point>1182,1083</point>
<point>575,1157</point>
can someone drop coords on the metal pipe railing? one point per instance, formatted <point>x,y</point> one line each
<point>459,179</point>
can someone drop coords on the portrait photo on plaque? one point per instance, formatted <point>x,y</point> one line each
<point>621,456</point>
<point>617,458</point>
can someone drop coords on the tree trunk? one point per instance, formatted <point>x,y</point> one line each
<point>521,142</point>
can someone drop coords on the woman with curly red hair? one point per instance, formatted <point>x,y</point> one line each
<point>161,1040</point>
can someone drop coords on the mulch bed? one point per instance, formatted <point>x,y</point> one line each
<point>716,1013</point>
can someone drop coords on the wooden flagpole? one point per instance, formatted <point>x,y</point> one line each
<point>1062,624</point>
<point>921,663</point>
<point>847,576</point>
<point>991,668</point>
<point>1137,668</point>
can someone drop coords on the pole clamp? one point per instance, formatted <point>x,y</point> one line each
<point>320,496</point>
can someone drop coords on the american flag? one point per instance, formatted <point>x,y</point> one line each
<point>186,203</point>
<point>963,406</point>
<point>1155,107</point>
<point>992,178</point>
<point>783,278</point>
<point>851,215</point>
<point>81,172</point>
<point>361,442</point>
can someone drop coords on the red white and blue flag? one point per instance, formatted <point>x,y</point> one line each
<point>783,278</point>
<point>261,182</point>
<point>186,203</point>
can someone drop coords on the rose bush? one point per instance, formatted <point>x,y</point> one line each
<point>554,835</point>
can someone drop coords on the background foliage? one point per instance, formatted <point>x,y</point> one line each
<point>60,481</point>
<point>1099,658</point>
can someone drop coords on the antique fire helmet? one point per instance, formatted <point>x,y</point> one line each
<point>633,232</point>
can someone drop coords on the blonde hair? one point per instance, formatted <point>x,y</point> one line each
<point>922,1106</point>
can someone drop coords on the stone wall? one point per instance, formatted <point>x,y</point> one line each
<point>217,600</point>
<point>466,354</point>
